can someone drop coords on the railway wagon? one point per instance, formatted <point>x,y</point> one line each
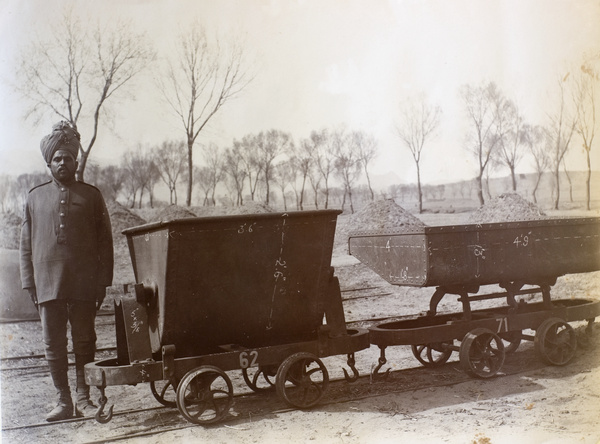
<point>255,293</point>
<point>522,257</point>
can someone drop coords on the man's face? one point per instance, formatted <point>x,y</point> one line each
<point>63,166</point>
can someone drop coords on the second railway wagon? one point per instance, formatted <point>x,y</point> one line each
<point>522,257</point>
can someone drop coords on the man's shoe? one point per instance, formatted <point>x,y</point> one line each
<point>85,409</point>
<point>63,410</point>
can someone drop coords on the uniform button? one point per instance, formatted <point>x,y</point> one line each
<point>62,226</point>
<point>63,189</point>
<point>62,214</point>
<point>63,201</point>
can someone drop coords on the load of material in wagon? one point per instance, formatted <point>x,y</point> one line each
<point>504,208</point>
<point>383,214</point>
<point>375,216</point>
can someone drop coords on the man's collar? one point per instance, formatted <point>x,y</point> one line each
<point>62,184</point>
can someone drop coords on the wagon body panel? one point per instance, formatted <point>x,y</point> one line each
<point>254,280</point>
<point>527,251</point>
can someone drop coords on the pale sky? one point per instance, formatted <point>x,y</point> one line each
<point>325,63</point>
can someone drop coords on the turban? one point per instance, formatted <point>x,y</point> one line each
<point>62,137</point>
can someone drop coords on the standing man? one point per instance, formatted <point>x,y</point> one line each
<point>66,264</point>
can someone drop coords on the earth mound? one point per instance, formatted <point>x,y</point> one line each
<point>121,218</point>
<point>173,212</point>
<point>250,207</point>
<point>507,207</point>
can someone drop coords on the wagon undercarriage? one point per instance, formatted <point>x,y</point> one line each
<point>486,335</point>
<point>294,369</point>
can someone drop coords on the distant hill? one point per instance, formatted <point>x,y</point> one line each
<point>463,194</point>
<point>573,185</point>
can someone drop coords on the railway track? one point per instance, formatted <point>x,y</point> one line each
<point>248,406</point>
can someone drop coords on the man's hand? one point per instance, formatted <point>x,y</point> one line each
<point>33,295</point>
<point>100,297</point>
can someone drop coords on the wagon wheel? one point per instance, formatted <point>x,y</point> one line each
<point>302,380</point>
<point>164,392</point>
<point>260,379</point>
<point>204,395</point>
<point>511,340</point>
<point>433,354</point>
<point>555,341</point>
<point>481,353</point>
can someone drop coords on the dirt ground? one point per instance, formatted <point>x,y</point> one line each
<point>527,402</point>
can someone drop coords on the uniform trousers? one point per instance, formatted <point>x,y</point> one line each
<point>80,314</point>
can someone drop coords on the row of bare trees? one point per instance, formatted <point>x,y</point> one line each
<point>257,167</point>
<point>500,137</point>
<point>78,72</point>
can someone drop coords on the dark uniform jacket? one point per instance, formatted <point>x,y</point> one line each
<point>66,242</point>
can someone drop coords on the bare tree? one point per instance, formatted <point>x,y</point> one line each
<point>248,152</point>
<point>93,173</point>
<point>204,182</point>
<point>141,174</point>
<point>271,145</point>
<point>347,163</point>
<point>200,80</point>
<point>302,161</point>
<point>568,176</point>
<point>314,177</point>
<point>586,84</point>
<point>214,160</point>
<point>131,188</point>
<point>560,130</point>
<point>512,141</point>
<point>482,104</point>
<point>367,152</point>
<point>317,164</point>
<point>536,140</point>
<point>74,73</point>
<point>235,172</point>
<point>283,177</point>
<point>418,122</point>
<point>325,155</point>
<point>112,180</point>
<point>170,158</point>
<point>152,177</point>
